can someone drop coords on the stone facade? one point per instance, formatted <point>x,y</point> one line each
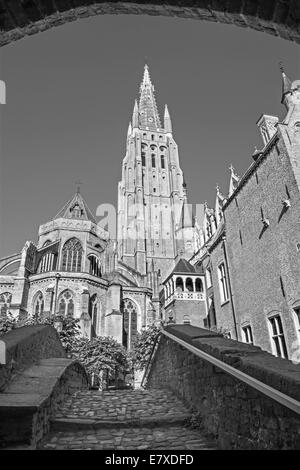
<point>273,17</point>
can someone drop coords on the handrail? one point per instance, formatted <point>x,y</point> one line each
<point>271,392</point>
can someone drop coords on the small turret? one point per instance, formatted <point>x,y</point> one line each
<point>167,121</point>
<point>135,115</point>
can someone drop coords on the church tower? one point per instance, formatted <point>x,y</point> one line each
<point>151,192</point>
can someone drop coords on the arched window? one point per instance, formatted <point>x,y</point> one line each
<point>199,285</point>
<point>38,305</point>
<point>66,303</point>
<point>189,284</point>
<point>162,161</point>
<point>95,266</point>
<point>46,263</point>
<point>94,315</point>
<point>72,256</point>
<point>153,160</point>
<point>143,159</point>
<point>179,284</point>
<point>129,322</point>
<point>5,301</point>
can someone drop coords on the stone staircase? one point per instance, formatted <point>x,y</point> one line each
<point>123,419</point>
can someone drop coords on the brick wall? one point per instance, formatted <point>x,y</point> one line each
<point>236,414</point>
<point>265,265</point>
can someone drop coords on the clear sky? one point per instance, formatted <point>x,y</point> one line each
<point>70,95</point>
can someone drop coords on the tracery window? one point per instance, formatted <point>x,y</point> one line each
<point>5,301</point>
<point>66,303</point>
<point>94,314</point>
<point>46,263</point>
<point>129,322</point>
<point>72,256</point>
<point>38,304</point>
<point>95,266</point>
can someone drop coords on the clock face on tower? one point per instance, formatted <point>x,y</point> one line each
<point>150,119</point>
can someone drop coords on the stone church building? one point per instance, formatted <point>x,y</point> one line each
<point>234,267</point>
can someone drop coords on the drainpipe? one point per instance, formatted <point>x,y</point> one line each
<point>229,285</point>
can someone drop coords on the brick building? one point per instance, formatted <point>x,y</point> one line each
<point>252,240</point>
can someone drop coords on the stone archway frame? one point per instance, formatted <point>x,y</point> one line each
<point>278,17</point>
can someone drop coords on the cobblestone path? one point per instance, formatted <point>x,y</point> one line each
<point>123,419</point>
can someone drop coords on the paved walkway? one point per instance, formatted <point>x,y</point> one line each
<point>134,419</point>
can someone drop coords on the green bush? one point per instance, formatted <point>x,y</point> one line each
<point>143,346</point>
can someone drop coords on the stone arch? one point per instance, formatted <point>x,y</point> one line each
<point>26,18</point>
<point>94,265</point>
<point>199,285</point>
<point>179,284</point>
<point>189,284</point>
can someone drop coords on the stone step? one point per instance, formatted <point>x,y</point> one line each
<point>66,424</point>
<point>136,438</point>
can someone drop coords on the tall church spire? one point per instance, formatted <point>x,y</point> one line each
<point>286,84</point>
<point>148,112</point>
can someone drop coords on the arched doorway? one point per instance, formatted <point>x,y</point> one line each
<point>129,322</point>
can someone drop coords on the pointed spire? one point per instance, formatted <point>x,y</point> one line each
<point>129,132</point>
<point>167,120</point>
<point>148,115</point>
<point>76,208</point>
<point>286,83</point>
<point>135,115</point>
<point>234,180</point>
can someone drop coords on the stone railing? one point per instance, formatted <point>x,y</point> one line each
<point>185,296</point>
<point>24,346</point>
<point>245,397</point>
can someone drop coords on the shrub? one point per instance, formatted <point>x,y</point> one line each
<point>143,346</point>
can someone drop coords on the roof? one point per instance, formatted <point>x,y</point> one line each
<point>183,267</point>
<point>76,208</point>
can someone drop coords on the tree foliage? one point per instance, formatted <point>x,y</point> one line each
<point>143,346</point>
<point>102,354</point>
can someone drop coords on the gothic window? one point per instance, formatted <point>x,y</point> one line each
<point>179,284</point>
<point>38,305</point>
<point>152,137</point>
<point>153,160</point>
<point>162,160</point>
<point>223,283</point>
<point>66,303</point>
<point>189,284</point>
<point>72,256</point>
<point>277,335</point>
<point>94,315</point>
<point>129,322</point>
<point>5,301</point>
<point>46,263</point>
<point>95,266</point>
<point>199,285</point>
<point>143,159</point>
